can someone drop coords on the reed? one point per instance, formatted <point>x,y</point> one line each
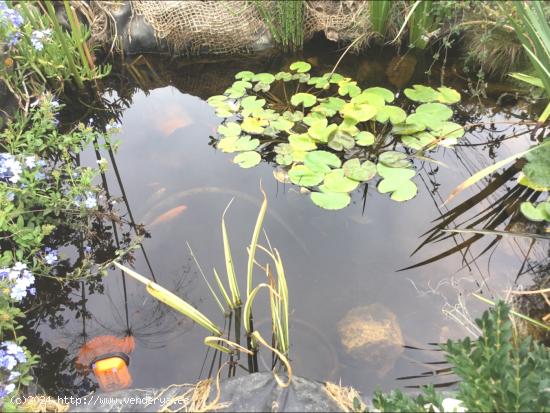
<point>285,21</point>
<point>378,14</point>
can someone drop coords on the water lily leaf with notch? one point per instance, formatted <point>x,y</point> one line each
<point>336,181</point>
<point>341,140</point>
<point>229,129</point>
<point>537,169</point>
<point>281,124</point>
<point>347,87</point>
<point>364,138</point>
<point>284,154</point>
<point>228,145</point>
<point>264,78</point>
<point>407,128</point>
<point>300,67</point>
<point>267,114</point>
<point>431,115</point>
<point>448,95</point>
<point>320,131</point>
<point>224,111</point>
<point>372,99</point>
<point>334,77</point>
<point>394,159</point>
<point>330,200</point>
<point>301,77</point>
<point>246,143</point>
<point>261,87</point>
<point>386,94</point>
<point>247,159</point>
<point>358,171</point>
<point>305,99</point>
<point>448,132</point>
<point>298,155</point>
<point>242,83</point>
<point>302,142</point>
<point>394,114</point>
<point>251,104</point>
<point>245,75</point>
<point>271,132</point>
<point>359,112</point>
<point>538,213</point>
<point>421,140</point>
<point>348,126</point>
<point>423,94</point>
<point>217,100</point>
<point>293,116</point>
<point>397,181</point>
<point>313,117</point>
<point>252,125</point>
<point>284,76</point>
<point>523,180</point>
<point>319,82</point>
<point>235,92</point>
<point>321,161</point>
<point>303,176</point>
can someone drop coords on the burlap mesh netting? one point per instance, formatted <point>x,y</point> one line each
<point>228,27</point>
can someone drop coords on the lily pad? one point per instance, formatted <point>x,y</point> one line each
<point>358,171</point>
<point>449,132</point>
<point>253,125</point>
<point>228,145</point>
<point>251,104</point>
<point>284,76</point>
<point>302,142</point>
<point>305,99</point>
<point>321,132</point>
<point>281,124</point>
<point>348,126</point>
<point>364,138</point>
<point>247,159</point>
<point>303,176</point>
<point>394,114</point>
<point>244,75</point>
<point>229,129</point>
<point>300,67</point>
<point>448,95</point>
<point>314,117</point>
<point>264,78</point>
<point>422,94</point>
<point>537,169</point>
<point>348,88</point>
<point>217,100</point>
<point>242,83</point>
<point>319,82</point>
<point>284,154</point>
<point>371,98</point>
<point>397,181</point>
<point>330,200</point>
<point>246,143</point>
<point>382,91</point>
<point>359,112</point>
<point>321,161</point>
<point>235,92</point>
<point>336,181</point>
<point>538,213</point>
<point>341,140</point>
<point>431,115</point>
<point>293,116</point>
<point>394,159</point>
<point>418,141</point>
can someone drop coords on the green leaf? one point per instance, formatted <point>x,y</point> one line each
<point>383,92</point>
<point>448,95</point>
<point>302,142</point>
<point>217,100</point>
<point>371,98</point>
<point>242,84</point>
<point>353,169</point>
<point>246,143</point>
<point>229,129</point>
<point>532,80</point>
<point>334,77</point>
<point>393,159</point>
<point>303,176</point>
<point>449,132</point>
<point>359,112</point>
<point>319,82</point>
<point>321,161</point>
<point>431,115</point>
<point>284,76</point>
<point>407,128</point>
<point>235,92</point>
<point>397,181</point>
<point>314,117</point>
<point>251,105</point>
<point>523,180</point>
<point>306,99</point>
<point>244,75</point>
<point>293,116</point>
<point>330,200</point>
<point>537,168</point>
<point>341,140</point>
<point>364,138</point>
<point>300,67</point>
<point>321,132</point>
<point>282,124</point>
<point>228,145</point>
<point>421,93</point>
<point>348,88</point>
<point>394,114</point>
<point>418,141</point>
<point>253,125</point>
<point>247,159</point>
<point>348,126</point>
<point>336,181</point>
<point>263,78</point>
<point>284,154</point>
<point>538,213</point>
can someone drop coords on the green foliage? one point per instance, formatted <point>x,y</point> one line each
<point>536,212</point>
<point>313,130</point>
<point>285,22</point>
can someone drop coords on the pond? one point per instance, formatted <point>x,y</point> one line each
<point>178,184</point>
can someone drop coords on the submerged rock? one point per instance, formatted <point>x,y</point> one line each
<point>372,334</point>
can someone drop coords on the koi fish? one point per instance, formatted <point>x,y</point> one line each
<point>172,119</point>
<point>168,215</point>
<point>102,345</point>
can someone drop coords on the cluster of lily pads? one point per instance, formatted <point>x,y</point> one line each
<point>329,134</point>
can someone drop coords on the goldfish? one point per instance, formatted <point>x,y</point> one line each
<point>169,215</point>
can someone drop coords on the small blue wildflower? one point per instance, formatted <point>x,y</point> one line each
<point>32,291</point>
<point>87,250</point>
<point>13,375</point>
<point>10,168</point>
<point>30,161</point>
<point>51,256</point>
<point>4,272</point>
<point>55,121</point>
<point>11,15</point>
<point>10,196</point>
<point>113,125</point>
<point>7,361</point>
<point>41,163</point>
<point>38,38</point>
<point>14,350</point>
<point>14,38</point>
<point>39,176</point>
<point>91,201</point>
<point>54,103</point>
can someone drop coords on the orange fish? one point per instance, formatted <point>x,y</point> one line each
<point>168,215</point>
<point>101,345</point>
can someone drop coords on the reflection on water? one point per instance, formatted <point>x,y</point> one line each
<point>172,179</point>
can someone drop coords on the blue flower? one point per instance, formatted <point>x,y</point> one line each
<point>10,168</point>
<point>10,196</point>
<point>15,350</point>
<point>87,250</point>
<point>91,201</point>
<point>51,256</point>
<point>39,176</point>
<point>5,390</point>
<point>30,161</point>
<point>38,38</point>
<point>4,272</point>
<point>13,375</point>
<point>10,15</point>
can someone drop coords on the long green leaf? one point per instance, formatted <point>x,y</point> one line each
<point>230,268</point>
<point>254,243</point>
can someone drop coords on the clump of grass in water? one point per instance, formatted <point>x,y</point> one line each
<point>285,22</point>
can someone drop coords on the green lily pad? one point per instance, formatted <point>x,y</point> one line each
<point>261,87</point>
<point>449,132</point>
<point>281,124</point>
<point>537,168</point>
<point>253,125</point>
<point>229,129</point>
<point>336,181</point>
<point>321,132</point>
<point>397,181</point>
<point>306,99</point>
<point>334,77</point>
<point>217,100</point>
<point>383,92</point>
<point>242,83</point>
<point>431,115</point>
<point>348,126</point>
<point>284,154</point>
<point>235,92</point>
<point>264,78</point>
<point>348,88</point>
<point>246,143</point>
<point>422,94</point>
<point>300,67</point>
<point>284,76</point>
<point>407,128</point>
<point>247,159</point>
<point>224,111</point>
<point>358,171</point>
<point>341,140</point>
<point>330,200</point>
<point>538,213</point>
<point>418,141</point>
<point>371,98</point>
<point>364,138</point>
<point>228,145</point>
<point>448,95</point>
<point>321,161</point>
<point>245,75</point>
<point>251,104</point>
<point>302,142</point>
<point>523,180</point>
<point>314,117</point>
<point>293,116</point>
<point>319,82</point>
<point>298,155</point>
<point>394,114</point>
<point>359,112</point>
<point>303,176</point>
<point>393,159</point>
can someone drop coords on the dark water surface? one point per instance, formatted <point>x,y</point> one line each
<point>334,261</point>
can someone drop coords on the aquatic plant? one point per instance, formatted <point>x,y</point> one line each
<point>331,134</point>
<point>285,22</point>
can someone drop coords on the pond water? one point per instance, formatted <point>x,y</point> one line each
<point>335,261</point>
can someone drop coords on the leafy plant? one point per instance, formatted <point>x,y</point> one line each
<point>285,22</point>
<point>328,119</point>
